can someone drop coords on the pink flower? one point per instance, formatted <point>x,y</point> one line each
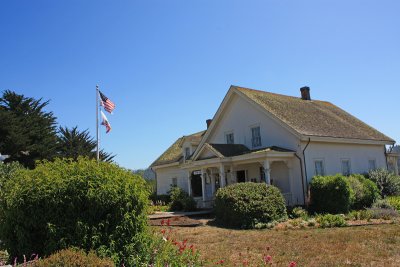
<point>267,259</point>
<point>293,264</point>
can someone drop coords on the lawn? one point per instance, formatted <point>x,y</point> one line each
<point>377,245</point>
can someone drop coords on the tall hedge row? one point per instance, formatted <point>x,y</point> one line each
<point>244,205</point>
<point>65,203</point>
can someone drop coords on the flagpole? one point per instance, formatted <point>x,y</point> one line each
<point>97,124</point>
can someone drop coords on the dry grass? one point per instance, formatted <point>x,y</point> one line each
<point>377,245</point>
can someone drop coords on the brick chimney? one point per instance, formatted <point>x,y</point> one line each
<point>305,93</point>
<point>209,121</point>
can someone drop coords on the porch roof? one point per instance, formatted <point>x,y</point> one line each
<point>231,150</point>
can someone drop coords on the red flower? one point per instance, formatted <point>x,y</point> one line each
<point>267,259</point>
<point>293,264</point>
<point>162,222</point>
<point>220,262</point>
<point>168,222</point>
<point>163,231</point>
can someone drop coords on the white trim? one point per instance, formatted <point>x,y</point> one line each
<point>339,140</point>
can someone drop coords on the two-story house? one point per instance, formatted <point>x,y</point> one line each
<point>262,137</point>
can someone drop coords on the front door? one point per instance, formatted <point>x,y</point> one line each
<point>241,176</point>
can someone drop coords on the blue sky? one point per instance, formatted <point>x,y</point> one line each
<point>168,64</point>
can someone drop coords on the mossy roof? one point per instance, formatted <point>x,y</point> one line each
<point>314,117</point>
<point>174,152</point>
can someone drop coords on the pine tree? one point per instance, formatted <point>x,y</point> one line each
<point>27,132</point>
<point>72,143</point>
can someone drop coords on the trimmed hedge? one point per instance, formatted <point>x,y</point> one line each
<point>83,204</point>
<point>330,194</point>
<point>365,192</point>
<point>244,205</point>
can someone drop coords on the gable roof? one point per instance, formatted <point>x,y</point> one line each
<point>174,152</point>
<point>313,117</point>
<point>231,150</point>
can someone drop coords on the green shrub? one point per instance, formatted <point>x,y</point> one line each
<point>330,194</point>
<point>388,183</point>
<point>360,215</point>
<point>382,204</point>
<point>299,212</point>
<point>74,258</point>
<point>245,205</point>
<point>160,199</point>
<point>329,220</point>
<point>385,214</point>
<point>180,200</point>
<point>394,201</point>
<point>365,191</point>
<point>8,171</point>
<point>83,204</point>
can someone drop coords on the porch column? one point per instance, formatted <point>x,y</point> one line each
<point>222,175</point>
<point>233,175</point>
<point>189,181</point>
<point>203,184</point>
<point>289,165</point>
<point>212,178</point>
<point>267,171</point>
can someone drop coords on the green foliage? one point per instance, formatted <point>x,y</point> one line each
<point>8,171</point>
<point>163,252</point>
<point>394,201</point>
<point>27,132</point>
<point>383,213</point>
<point>84,204</point>
<point>330,194</point>
<point>74,258</point>
<point>388,183</point>
<point>160,199</point>
<point>245,205</point>
<point>360,215</point>
<point>299,212</point>
<point>382,204</point>
<point>72,144</point>
<point>180,200</point>
<point>365,191</point>
<point>329,220</point>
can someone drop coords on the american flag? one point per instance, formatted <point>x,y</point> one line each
<point>108,105</point>
<point>105,122</point>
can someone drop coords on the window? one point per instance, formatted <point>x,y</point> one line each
<point>371,165</point>
<point>255,136</point>
<point>187,152</point>
<point>346,167</point>
<point>319,167</point>
<point>230,138</point>
<point>174,182</point>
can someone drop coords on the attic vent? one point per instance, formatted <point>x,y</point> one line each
<point>305,93</point>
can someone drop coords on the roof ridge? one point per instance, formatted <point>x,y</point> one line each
<point>277,94</point>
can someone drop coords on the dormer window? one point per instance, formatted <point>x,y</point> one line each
<point>187,152</point>
<point>256,136</point>
<point>230,139</point>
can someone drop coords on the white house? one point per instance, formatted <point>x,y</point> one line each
<point>264,137</point>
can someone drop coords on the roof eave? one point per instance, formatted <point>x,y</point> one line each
<point>331,139</point>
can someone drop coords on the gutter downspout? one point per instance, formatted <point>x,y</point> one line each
<point>302,178</point>
<point>305,164</point>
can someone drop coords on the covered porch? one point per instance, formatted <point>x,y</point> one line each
<point>269,166</point>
